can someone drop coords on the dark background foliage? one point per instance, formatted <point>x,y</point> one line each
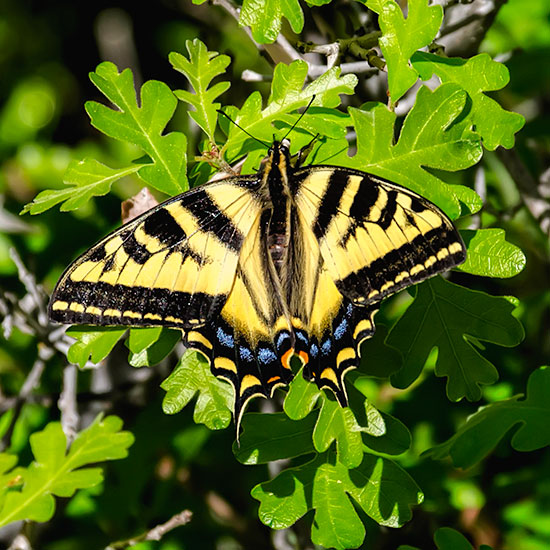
<point>47,50</point>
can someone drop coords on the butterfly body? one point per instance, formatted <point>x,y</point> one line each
<point>257,269</point>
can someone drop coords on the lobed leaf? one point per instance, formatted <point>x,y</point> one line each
<point>141,338</point>
<point>476,75</point>
<point>483,430</point>
<point>268,437</point>
<point>142,125</point>
<point>192,376</point>
<point>453,319</point>
<point>490,255</point>
<point>286,96</point>
<point>434,135</point>
<point>93,343</point>
<point>56,472</point>
<point>264,17</point>
<point>85,179</point>
<point>378,486</point>
<point>334,423</point>
<point>200,69</point>
<point>401,38</point>
<point>155,351</point>
<point>392,436</point>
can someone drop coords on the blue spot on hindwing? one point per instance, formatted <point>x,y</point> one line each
<point>314,350</point>
<point>224,338</point>
<point>326,346</point>
<point>302,336</point>
<point>341,329</point>
<point>245,354</point>
<point>266,356</point>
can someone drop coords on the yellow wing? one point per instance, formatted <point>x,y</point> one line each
<point>364,238</point>
<point>375,236</point>
<point>173,266</point>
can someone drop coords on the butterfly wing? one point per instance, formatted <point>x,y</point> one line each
<point>369,238</point>
<point>173,266</point>
<point>375,236</point>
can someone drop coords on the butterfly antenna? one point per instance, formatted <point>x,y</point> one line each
<point>301,116</point>
<point>267,145</point>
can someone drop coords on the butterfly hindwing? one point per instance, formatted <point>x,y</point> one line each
<point>173,266</point>
<point>375,237</point>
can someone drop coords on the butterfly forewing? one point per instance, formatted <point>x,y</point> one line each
<point>375,237</point>
<point>173,266</point>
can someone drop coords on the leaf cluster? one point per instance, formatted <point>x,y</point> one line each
<point>346,469</point>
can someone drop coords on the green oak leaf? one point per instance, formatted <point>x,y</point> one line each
<point>378,359</point>
<point>287,95</point>
<point>475,439</point>
<point>200,69</point>
<point>85,179</point>
<point>301,397</point>
<point>380,432</point>
<point>476,75</point>
<point>149,350</point>
<point>490,255</point>
<point>268,437</point>
<point>347,426</point>
<point>141,338</point>
<point>142,124</point>
<point>383,490</point>
<point>395,438</point>
<point>453,319</point>
<point>334,423</point>
<point>401,38</point>
<point>264,17</point>
<point>433,136</point>
<point>93,343</point>
<point>56,472</point>
<point>192,376</point>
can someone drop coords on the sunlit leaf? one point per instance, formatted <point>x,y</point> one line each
<point>477,75</point>
<point>200,69</point>
<point>401,38</point>
<point>93,343</point>
<point>264,17</point>
<point>433,136</point>
<point>192,377</point>
<point>142,124</point>
<point>378,486</point>
<point>85,179</point>
<point>490,255</point>
<point>56,472</point>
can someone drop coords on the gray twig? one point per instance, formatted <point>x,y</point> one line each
<point>156,533</point>
<point>67,403</point>
<point>28,314</point>
<point>20,542</point>
<point>35,291</point>
<point>466,24</point>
